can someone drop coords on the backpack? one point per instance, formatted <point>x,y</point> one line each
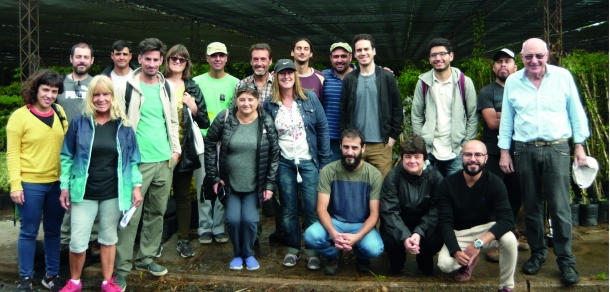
<point>461,85</point>
<point>61,118</point>
<point>129,89</point>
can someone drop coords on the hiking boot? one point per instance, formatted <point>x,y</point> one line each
<point>205,238</point>
<point>221,238</point>
<point>72,287</point>
<point>120,281</point>
<point>111,286</point>
<point>52,283</point>
<point>493,256</point>
<point>251,263</point>
<point>569,275</point>
<point>25,284</point>
<point>184,249</point>
<point>290,260</point>
<point>313,263</point>
<point>532,266</point>
<point>363,265</point>
<point>331,267</point>
<point>465,273</point>
<point>153,268</point>
<point>236,264</point>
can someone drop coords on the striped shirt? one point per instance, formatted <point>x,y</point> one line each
<point>331,103</point>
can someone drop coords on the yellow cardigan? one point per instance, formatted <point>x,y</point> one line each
<point>33,148</point>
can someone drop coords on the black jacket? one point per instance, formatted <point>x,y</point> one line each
<point>408,203</point>
<point>267,159</point>
<point>390,102</point>
<point>202,120</point>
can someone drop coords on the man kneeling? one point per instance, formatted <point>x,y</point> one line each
<point>468,202</point>
<point>348,207</point>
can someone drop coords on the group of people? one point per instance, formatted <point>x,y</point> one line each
<point>293,138</point>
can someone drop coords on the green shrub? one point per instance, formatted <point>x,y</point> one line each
<point>8,104</point>
<point>3,173</point>
<point>13,89</point>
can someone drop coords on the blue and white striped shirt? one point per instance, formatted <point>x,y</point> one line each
<point>332,101</point>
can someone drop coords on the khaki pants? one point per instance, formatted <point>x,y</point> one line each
<point>380,156</point>
<point>156,183</point>
<point>507,245</point>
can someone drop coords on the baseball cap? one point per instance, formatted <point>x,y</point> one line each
<point>585,175</point>
<point>216,47</point>
<point>504,51</point>
<point>345,46</point>
<point>284,64</point>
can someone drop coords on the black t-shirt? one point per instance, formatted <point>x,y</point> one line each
<point>47,118</point>
<point>491,97</point>
<point>103,182</point>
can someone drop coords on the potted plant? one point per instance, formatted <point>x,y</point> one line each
<point>588,210</point>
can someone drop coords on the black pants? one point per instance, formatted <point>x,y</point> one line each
<point>428,247</point>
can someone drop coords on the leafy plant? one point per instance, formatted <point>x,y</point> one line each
<point>3,173</point>
<point>601,276</point>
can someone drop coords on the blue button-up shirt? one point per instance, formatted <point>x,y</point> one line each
<point>552,112</point>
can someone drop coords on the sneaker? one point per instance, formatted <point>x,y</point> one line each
<point>313,263</point>
<point>153,268</point>
<point>72,287</point>
<point>111,286</point>
<point>236,264</point>
<point>25,284</point>
<point>363,265</point>
<point>493,256</point>
<point>120,281</point>
<point>184,249</point>
<point>159,252</point>
<point>505,289</point>
<point>205,238</point>
<point>569,275</point>
<point>251,263</point>
<point>52,283</point>
<point>465,273</point>
<point>221,238</point>
<point>533,265</point>
<point>522,246</point>
<point>290,260</point>
<point>94,248</point>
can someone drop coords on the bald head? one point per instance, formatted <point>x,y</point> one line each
<point>534,42</point>
<point>474,146</point>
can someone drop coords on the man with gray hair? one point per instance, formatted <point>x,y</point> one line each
<point>541,110</point>
<point>151,107</point>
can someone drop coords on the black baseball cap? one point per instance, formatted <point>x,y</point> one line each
<point>284,64</point>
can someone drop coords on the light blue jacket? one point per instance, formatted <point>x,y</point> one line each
<point>76,155</point>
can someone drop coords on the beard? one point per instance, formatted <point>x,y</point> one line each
<point>351,166</point>
<point>260,73</point>
<point>470,172</point>
<point>79,71</point>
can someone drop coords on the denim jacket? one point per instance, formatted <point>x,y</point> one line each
<point>316,126</point>
<point>76,155</point>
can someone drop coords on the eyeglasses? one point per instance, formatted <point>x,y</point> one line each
<point>178,59</point>
<point>77,90</point>
<point>441,54</point>
<point>476,154</point>
<point>531,56</point>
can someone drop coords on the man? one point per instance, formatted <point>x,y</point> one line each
<point>444,108</point>
<point>489,106</point>
<point>474,216</point>
<point>341,61</point>
<point>371,102</point>
<point>75,89</point>
<point>341,226</point>
<point>541,111</point>
<point>217,88</point>
<point>262,79</point>
<point>312,79</point>
<point>121,69</point>
<point>151,109</point>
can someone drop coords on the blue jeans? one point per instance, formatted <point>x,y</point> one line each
<point>447,167</point>
<point>287,186</point>
<point>368,247</point>
<point>40,199</point>
<point>335,148</point>
<point>242,217</point>
<point>547,166</point>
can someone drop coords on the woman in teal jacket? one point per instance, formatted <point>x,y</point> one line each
<point>99,163</point>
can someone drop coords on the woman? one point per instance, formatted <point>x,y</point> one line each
<point>246,169</point>
<point>305,149</point>
<point>34,135</point>
<point>178,70</point>
<point>100,177</point>
<point>408,212</point>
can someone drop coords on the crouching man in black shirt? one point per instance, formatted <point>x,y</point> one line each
<point>468,202</point>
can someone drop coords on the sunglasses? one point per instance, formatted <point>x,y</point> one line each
<point>178,59</point>
<point>77,90</point>
<point>530,56</point>
<point>246,85</point>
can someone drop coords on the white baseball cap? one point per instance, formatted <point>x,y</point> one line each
<point>585,175</point>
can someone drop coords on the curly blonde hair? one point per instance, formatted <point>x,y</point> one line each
<point>104,84</point>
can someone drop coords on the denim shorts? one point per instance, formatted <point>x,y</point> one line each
<point>83,215</point>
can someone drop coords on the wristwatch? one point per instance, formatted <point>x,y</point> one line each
<point>478,243</point>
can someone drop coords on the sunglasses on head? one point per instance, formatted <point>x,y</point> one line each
<point>77,89</point>
<point>178,59</point>
<point>531,56</point>
<point>246,85</point>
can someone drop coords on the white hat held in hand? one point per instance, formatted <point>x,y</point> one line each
<point>585,175</point>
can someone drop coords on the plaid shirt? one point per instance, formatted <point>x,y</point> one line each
<point>265,91</point>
